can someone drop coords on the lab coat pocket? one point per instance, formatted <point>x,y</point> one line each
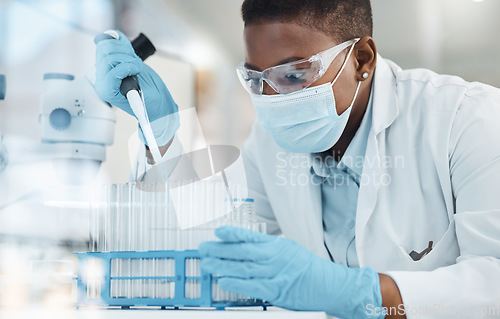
<point>444,253</point>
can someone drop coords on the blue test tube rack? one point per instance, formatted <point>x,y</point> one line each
<point>178,300</point>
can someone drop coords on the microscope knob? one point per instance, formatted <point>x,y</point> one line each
<point>60,119</point>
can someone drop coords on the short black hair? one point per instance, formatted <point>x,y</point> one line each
<point>342,19</point>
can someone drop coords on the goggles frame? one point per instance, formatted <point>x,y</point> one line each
<point>325,59</point>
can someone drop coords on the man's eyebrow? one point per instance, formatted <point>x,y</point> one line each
<point>287,60</point>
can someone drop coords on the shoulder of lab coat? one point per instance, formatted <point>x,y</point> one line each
<point>469,288</point>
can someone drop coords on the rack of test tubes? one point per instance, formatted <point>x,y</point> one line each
<point>143,245</point>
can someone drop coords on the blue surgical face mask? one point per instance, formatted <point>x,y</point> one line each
<point>305,121</point>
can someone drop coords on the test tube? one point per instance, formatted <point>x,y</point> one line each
<point>158,199</point>
<point>142,217</point>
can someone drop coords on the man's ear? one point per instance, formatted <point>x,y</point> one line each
<point>366,57</point>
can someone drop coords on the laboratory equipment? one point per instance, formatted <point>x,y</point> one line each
<point>76,124</point>
<point>131,90</point>
<point>3,155</point>
<point>143,244</point>
<point>3,150</point>
<point>162,278</point>
<point>3,87</point>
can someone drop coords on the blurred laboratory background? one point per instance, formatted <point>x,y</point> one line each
<point>45,43</point>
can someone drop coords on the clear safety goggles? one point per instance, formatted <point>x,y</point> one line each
<point>291,77</point>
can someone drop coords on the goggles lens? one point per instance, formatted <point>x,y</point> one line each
<point>291,77</point>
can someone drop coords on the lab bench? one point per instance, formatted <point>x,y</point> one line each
<point>87,313</point>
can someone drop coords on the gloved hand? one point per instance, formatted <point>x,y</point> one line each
<point>115,60</point>
<point>288,275</point>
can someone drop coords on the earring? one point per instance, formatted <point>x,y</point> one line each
<point>365,75</point>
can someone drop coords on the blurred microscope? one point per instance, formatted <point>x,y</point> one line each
<point>76,127</point>
<point>45,188</point>
<point>45,182</point>
<point>3,150</point>
<point>35,238</point>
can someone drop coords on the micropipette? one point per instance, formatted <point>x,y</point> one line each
<point>131,90</point>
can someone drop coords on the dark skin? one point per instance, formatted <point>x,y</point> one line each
<point>272,43</point>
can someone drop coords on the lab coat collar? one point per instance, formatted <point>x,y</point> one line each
<point>385,105</point>
<point>385,111</point>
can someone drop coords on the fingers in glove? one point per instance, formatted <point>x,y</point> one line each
<point>108,86</point>
<point>112,47</point>
<point>238,234</point>
<point>254,288</point>
<point>237,251</point>
<point>105,65</point>
<point>237,269</point>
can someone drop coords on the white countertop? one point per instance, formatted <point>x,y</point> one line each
<point>141,313</point>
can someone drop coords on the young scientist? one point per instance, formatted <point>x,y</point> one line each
<point>384,182</point>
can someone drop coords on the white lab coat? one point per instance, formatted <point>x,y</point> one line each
<point>431,173</point>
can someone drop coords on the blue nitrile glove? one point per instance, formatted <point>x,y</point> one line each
<point>115,60</point>
<point>288,275</point>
